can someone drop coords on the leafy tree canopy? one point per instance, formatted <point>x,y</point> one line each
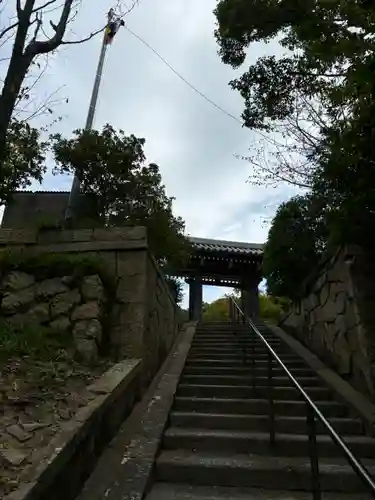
<point>270,308</point>
<point>328,65</point>
<point>112,167</point>
<point>345,177</point>
<point>296,241</point>
<point>24,159</point>
<point>176,288</point>
<point>218,310</point>
<point>331,43</point>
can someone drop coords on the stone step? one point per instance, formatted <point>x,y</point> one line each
<point>235,343</point>
<point>284,424</point>
<point>239,362</point>
<point>312,381</point>
<point>243,392</point>
<point>232,331</point>
<point>246,333</point>
<point>263,356</point>
<point>288,473</point>
<point>254,406</point>
<point>248,339</point>
<point>242,370</point>
<point>186,491</point>
<point>247,336</point>
<point>238,350</point>
<point>244,442</point>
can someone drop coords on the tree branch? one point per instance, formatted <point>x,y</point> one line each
<point>39,22</point>
<point>37,47</point>
<point>274,175</point>
<point>50,2</point>
<point>19,13</point>
<point>94,33</point>
<point>9,28</point>
<point>77,42</point>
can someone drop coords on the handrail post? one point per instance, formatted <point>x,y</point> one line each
<point>253,370</point>
<point>313,451</point>
<point>271,406</point>
<point>312,413</point>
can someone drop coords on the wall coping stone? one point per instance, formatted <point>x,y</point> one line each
<point>52,459</point>
<point>360,405</point>
<point>163,280</point>
<point>34,237</point>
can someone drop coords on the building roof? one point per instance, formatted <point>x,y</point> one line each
<point>236,247</point>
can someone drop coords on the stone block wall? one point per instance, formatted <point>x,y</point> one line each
<point>162,321</point>
<point>144,317</point>
<point>63,304</point>
<point>336,316</point>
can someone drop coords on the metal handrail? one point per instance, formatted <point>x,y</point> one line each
<point>312,412</point>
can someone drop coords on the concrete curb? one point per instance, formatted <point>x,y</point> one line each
<point>124,471</point>
<point>72,453</point>
<point>358,403</point>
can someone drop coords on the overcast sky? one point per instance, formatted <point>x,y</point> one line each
<point>192,141</point>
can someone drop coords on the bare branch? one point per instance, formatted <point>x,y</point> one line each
<point>95,33</point>
<point>19,13</point>
<point>77,42</point>
<point>38,9</point>
<point>9,28</point>
<point>37,47</point>
<point>39,22</point>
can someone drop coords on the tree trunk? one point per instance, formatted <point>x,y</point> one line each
<point>17,70</point>
<point>12,86</point>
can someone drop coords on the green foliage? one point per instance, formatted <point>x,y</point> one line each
<point>35,342</point>
<point>24,159</point>
<point>111,167</point>
<point>272,308</point>
<point>329,66</point>
<point>176,288</point>
<point>296,241</point>
<point>330,47</point>
<point>345,179</point>
<point>217,310</point>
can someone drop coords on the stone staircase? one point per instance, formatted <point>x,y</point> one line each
<point>216,445</point>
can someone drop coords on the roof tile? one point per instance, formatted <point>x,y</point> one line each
<point>236,247</point>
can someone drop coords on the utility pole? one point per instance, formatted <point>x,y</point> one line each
<point>75,189</point>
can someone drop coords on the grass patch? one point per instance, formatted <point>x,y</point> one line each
<point>32,341</point>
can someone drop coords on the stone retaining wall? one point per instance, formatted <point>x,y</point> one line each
<point>66,305</point>
<point>336,317</point>
<point>144,316</point>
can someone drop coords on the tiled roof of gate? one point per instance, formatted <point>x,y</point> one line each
<point>236,247</point>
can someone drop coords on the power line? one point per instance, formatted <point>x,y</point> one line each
<point>210,101</point>
<point>184,79</point>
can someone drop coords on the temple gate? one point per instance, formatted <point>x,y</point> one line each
<point>223,263</point>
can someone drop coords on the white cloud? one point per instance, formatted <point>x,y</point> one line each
<point>192,141</point>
